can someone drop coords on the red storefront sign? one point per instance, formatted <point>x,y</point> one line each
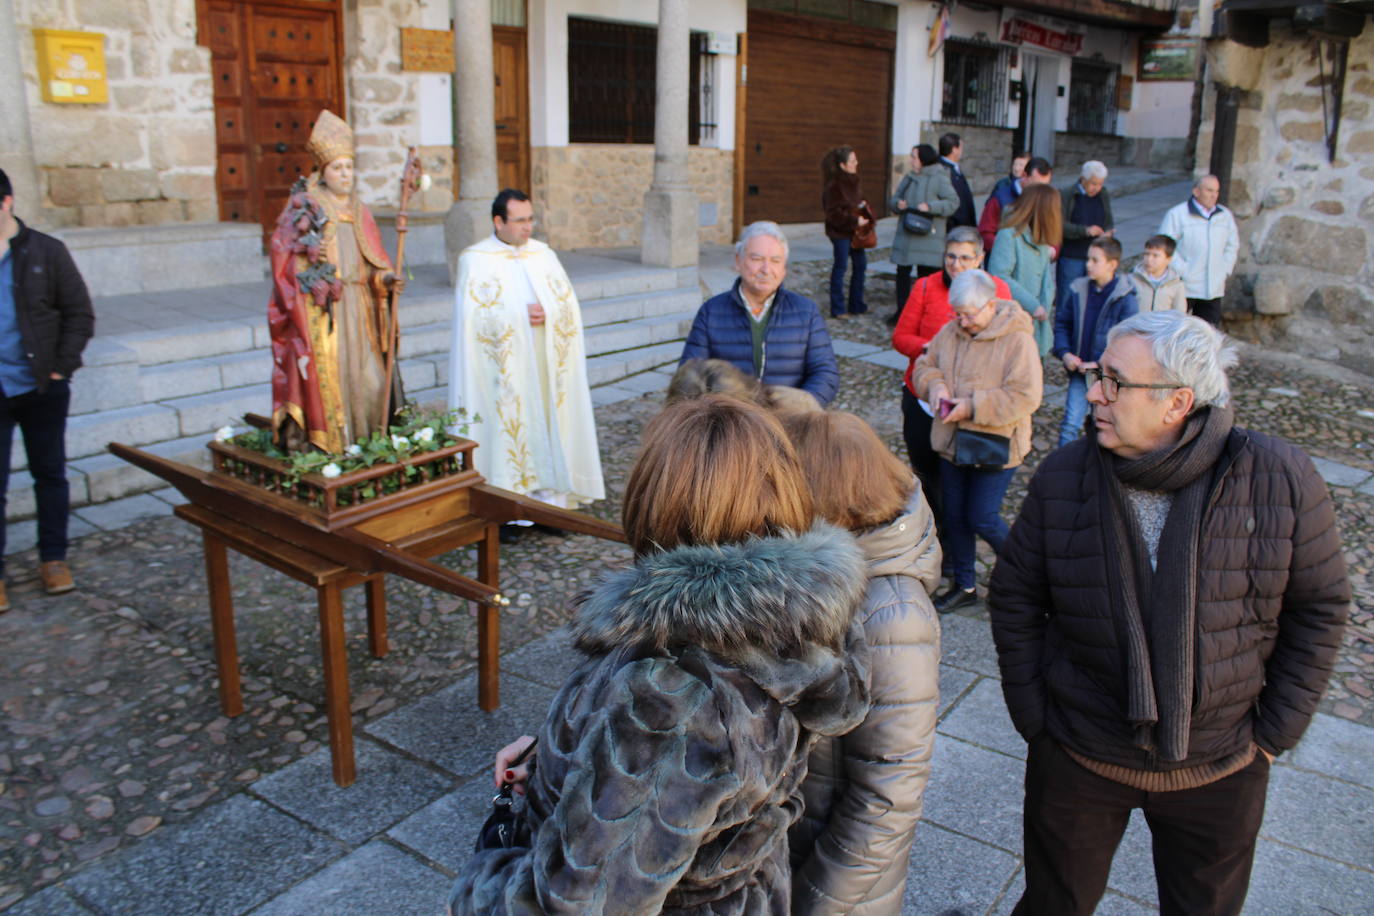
<point>1016,30</point>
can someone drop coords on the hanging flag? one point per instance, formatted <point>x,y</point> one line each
<point>939,30</point>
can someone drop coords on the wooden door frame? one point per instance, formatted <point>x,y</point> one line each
<point>741,113</point>
<point>525,154</point>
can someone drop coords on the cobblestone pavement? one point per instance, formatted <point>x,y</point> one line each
<point>111,726</point>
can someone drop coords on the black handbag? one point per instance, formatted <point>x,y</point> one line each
<point>987,451</point>
<point>505,827</point>
<point>916,222</point>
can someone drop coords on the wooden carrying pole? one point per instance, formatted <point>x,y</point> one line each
<point>410,182</point>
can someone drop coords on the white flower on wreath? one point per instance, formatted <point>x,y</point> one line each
<point>354,450</point>
<point>425,435</point>
<point>400,443</point>
<point>224,434</point>
<point>331,470</point>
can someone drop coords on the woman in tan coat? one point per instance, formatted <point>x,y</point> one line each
<point>864,789</point>
<point>982,375</point>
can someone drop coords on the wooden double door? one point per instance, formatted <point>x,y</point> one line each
<point>275,67</point>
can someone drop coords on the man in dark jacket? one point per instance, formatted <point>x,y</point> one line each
<point>1167,612</point>
<point>775,335</point>
<point>45,321</point>
<point>951,151</point>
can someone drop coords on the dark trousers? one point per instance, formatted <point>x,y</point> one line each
<point>972,507</point>
<point>1203,839</point>
<point>843,255</point>
<point>924,461</point>
<point>1209,310</point>
<point>905,281</point>
<point>42,418</point>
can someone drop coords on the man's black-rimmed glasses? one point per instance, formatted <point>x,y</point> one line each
<point>1111,385</point>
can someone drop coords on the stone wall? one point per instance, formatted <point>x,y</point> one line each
<point>146,157</point>
<point>592,195</point>
<point>383,107</point>
<point>1306,268</point>
<point>987,151</point>
<point>1072,150</point>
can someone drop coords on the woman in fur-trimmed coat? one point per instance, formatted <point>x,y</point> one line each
<point>668,770</point>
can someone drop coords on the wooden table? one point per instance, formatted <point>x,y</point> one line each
<point>329,578</point>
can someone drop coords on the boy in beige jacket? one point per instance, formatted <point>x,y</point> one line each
<point>1158,286</point>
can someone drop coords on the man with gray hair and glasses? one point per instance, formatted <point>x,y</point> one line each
<point>768,332</point>
<point>1167,610</point>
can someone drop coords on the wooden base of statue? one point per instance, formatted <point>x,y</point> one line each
<point>333,533</point>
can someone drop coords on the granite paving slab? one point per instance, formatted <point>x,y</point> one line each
<point>981,718</point>
<point>449,730</point>
<point>889,358</point>
<point>953,683</point>
<point>1287,881</point>
<point>966,642</point>
<point>1112,903</point>
<point>389,787</point>
<point>444,831</point>
<point>235,855</point>
<point>1133,866</point>
<point>120,513</point>
<point>1345,829</point>
<point>953,873</point>
<point>1340,475</point>
<point>377,878</point>
<point>976,792</point>
<point>852,348</point>
<point>547,660</point>
<point>1335,747</point>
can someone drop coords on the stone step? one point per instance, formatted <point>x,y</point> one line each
<point>640,305</point>
<point>612,367</point>
<point>107,477</point>
<point>641,332</point>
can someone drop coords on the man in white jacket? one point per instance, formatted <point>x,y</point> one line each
<point>1207,240</point>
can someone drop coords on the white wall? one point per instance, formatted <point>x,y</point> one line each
<point>916,75</point>
<point>548,49</point>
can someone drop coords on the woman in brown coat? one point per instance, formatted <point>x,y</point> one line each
<point>845,213</point>
<point>982,374</point>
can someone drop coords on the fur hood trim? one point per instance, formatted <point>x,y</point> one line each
<point>776,594</point>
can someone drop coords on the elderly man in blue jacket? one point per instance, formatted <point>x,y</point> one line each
<point>774,335</point>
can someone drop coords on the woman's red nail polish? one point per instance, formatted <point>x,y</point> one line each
<point>510,775</point>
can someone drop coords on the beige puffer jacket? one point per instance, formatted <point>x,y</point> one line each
<point>863,791</point>
<point>999,367</point>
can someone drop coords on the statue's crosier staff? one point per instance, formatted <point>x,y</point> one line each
<point>412,179</point>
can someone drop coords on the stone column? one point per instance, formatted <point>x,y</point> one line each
<point>474,118</point>
<point>16,143</point>
<point>670,207</point>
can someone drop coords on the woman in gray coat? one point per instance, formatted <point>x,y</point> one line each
<point>668,770</point>
<point>928,191</point>
<point>863,793</point>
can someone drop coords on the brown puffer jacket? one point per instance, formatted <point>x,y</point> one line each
<point>999,367</point>
<point>864,790</point>
<point>1272,599</point>
<point>840,201</point>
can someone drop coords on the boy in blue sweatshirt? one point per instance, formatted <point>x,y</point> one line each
<point>1095,303</point>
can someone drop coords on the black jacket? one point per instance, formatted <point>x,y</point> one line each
<point>51,305</point>
<point>965,215</point>
<point>1272,599</point>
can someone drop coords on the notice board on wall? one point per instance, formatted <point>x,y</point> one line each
<point>427,50</point>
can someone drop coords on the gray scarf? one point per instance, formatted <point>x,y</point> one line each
<point>1156,610</point>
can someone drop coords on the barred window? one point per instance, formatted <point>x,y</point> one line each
<point>611,79</point>
<point>1092,97</point>
<point>975,83</point>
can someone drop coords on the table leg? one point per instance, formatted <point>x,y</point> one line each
<point>489,622</point>
<point>222,625</point>
<point>376,616</point>
<point>333,655</point>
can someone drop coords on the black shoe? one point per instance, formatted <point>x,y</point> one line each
<point>953,598</point>
<point>891,320</point>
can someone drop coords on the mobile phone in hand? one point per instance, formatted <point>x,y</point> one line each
<point>946,405</point>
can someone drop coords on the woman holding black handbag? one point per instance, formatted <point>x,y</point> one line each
<point>982,375</point>
<point>923,196</point>
<point>668,770</point>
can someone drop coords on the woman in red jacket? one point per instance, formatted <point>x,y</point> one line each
<point>925,313</point>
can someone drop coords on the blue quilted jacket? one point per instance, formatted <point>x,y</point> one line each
<point>796,347</point>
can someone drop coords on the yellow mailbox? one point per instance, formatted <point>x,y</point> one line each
<point>71,66</point>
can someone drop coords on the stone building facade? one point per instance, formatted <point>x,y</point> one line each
<point>1306,269</point>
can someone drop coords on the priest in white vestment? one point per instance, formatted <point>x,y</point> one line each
<point>519,368</point>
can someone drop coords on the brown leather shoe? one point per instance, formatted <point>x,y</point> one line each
<point>4,599</point>
<point>57,578</point>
